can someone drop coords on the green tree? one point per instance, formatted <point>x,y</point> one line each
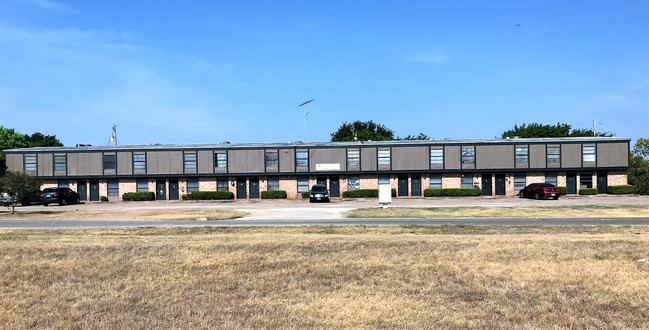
<point>15,187</point>
<point>420,136</point>
<point>39,139</point>
<point>10,139</point>
<point>362,131</point>
<point>536,130</point>
<point>639,167</point>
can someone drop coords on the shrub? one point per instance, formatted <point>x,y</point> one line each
<point>305,194</point>
<point>587,191</point>
<point>365,193</point>
<point>277,194</point>
<point>103,198</point>
<point>139,196</point>
<point>452,192</point>
<point>621,190</point>
<point>563,190</point>
<point>211,195</point>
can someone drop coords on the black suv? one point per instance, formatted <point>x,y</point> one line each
<point>319,193</point>
<point>62,196</point>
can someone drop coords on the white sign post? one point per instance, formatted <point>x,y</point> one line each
<point>385,194</point>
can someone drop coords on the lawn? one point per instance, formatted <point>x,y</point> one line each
<point>326,277</point>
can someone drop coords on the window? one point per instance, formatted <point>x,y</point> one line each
<point>302,158</point>
<point>586,180</point>
<point>139,162</point>
<point>192,185</point>
<point>142,185</point>
<point>64,184</point>
<point>221,160</point>
<point>519,182</point>
<point>554,155</point>
<point>273,184</point>
<point>353,158</point>
<point>522,156</point>
<point>588,153</point>
<point>190,161</point>
<point>468,155</point>
<point>272,160</point>
<point>384,158</point>
<point>353,183</point>
<point>60,163</point>
<point>437,157</point>
<point>467,181</point>
<point>222,185</point>
<point>302,184</point>
<point>384,179</point>
<point>30,164</point>
<point>113,187</point>
<point>110,162</point>
<point>436,181</point>
<point>551,178</point>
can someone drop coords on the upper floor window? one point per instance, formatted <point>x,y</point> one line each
<point>30,164</point>
<point>522,155</point>
<point>110,161</point>
<point>468,155</point>
<point>437,157</point>
<point>384,158</point>
<point>302,158</point>
<point>353,158</point>
<point>190,160</point>
<point>554,155</point>
<point>272,160</point>
<point>139,161</point>
<point>221,160</point>
<point>60,163</point>
<point>588,153</point>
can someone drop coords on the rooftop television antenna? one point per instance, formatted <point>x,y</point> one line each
<point>112,140</point>
<point>595,122</point>
<point>306,117</point>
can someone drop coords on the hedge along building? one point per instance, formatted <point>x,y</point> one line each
<point>499,167</point>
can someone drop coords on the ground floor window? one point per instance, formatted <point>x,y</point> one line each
<point>467,180</point>
<point>142,185</point>
<point>64,184</point>
<point>435,181</point>
<point>551,178</point>
<point>302,184</point>
<point>353,183</point>
<point>192,185</point>
<point>384,179</point>
<point>586,180</point>
<point>113,187</point>
<point>273,184</point>
<point>519,182</point>
<point>222,185</point>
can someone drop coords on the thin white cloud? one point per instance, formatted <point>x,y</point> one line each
<point>51,5</point>
<point>432,57</point>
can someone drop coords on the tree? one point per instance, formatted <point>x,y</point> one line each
<point>10,139</point>
<point>362,131</point>
<point>421,136</point>
<point>639,167</point>
<point>536,130</point>
<point>39,139</point>
<point>17,186</point>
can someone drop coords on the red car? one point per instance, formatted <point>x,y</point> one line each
<point>540,190</point>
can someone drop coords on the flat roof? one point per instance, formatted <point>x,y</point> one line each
<point>298,144</point>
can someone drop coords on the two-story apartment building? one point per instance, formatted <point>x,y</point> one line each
<point>500,167</point>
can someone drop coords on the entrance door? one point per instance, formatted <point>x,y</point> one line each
<point>415,186</point>
<point>403,186</point>
<point>94,191</point>
<point>334,186</point>
<point>571,183</point>
<point>500,184</point>
<point>254,188</point>
<point>173,190</point>
<point>82,190</point>
<point>161,190</point>
<point>602,183</point>
<point>241,189</point>
<point>486,184</point>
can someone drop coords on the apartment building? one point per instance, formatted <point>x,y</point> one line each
<point>499,167</point>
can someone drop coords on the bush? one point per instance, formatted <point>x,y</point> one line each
<point>211,195</point>
<point>305,194</point>
<point>563,191</point>
<point>103,198</point>
<point>448,192</point>
<point>621,190</point>
<point>587,191</point>
<point>365,193</point>
<point>277,194</point>
<point>138,196</point>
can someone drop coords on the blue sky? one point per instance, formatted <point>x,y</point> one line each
<point>213,71</point>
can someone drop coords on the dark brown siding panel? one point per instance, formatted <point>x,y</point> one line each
<point>571,155</point>
<point>246,161</point>
<point>286,160</point>
<point>125,163</point>
<point>73,164</point>
<point>368,159</point>
<point>452,157</point>
<point>205,161</point>
<point>495,157</point>
<point>612,154</point>
<point>410,158</point>
<point>152,162</point>
<point>537,156</point>
<point>176,162</point>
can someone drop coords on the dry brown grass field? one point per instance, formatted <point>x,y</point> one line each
<point>125,215</point>
<point>448,277</point>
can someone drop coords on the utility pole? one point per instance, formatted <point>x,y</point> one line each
<point>595,122</point>
<point>306,117</point>
<point>113,137</point>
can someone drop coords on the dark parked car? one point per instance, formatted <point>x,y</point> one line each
<point>36,197</point>
<point>319,193</point>
<point>540,190</point>
<point>62,196</point>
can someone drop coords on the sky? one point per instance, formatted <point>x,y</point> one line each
<point>185,72</point>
